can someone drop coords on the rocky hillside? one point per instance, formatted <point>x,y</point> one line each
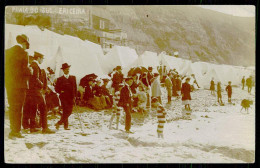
<point>197,33</point>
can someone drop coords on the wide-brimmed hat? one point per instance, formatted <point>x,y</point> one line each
<point>37,55</point>
<point>65,65</point>
<point>22,38</point>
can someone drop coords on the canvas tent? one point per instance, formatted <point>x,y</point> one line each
<point>149,58</point>
<point>40,41</point>
<point>140,62</point>
<point>58,49</point>
<point>202,67</point>
<point>171,62</point>
<point>211,73</point>
<point>82,57</point>
<point>118,56</point>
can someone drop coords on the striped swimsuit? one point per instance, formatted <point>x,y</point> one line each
<point>161,118</point>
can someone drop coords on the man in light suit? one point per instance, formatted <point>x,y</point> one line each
<point>67,88</point>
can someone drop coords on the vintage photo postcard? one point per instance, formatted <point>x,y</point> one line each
<point>130,84</point>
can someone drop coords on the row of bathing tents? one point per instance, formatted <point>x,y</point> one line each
<point>86,57</point>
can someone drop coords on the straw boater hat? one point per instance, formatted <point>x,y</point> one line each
<point>37,55</point>
<point>65,65</point>
<point>22,38</point>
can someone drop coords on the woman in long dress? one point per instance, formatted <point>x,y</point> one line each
<point>185,91</point>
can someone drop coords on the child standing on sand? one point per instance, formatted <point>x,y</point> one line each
<point>219,93</point>
<point>229,91</point>
<point>160,115</point>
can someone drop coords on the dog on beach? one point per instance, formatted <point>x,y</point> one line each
<point>245,103</point>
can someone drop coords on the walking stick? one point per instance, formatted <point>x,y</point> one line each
<point>79,117</point>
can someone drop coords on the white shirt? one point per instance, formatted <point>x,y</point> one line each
<point>66,76</point>
<point>36,62</point>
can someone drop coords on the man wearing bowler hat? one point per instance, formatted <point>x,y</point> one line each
<point>17,74</point>
<point>37,85</point>
<point>67,88</point>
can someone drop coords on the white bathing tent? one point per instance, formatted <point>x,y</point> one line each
<point>83,56</point>
<point>118,56</point>
<point>170,61</point>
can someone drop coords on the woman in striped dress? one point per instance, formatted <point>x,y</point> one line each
<point>161,117</point>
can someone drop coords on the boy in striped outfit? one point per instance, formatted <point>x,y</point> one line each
<point>161,117</point>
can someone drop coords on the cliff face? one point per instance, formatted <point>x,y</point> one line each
<point>197,33</point>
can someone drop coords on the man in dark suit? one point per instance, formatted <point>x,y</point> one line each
<point>17,74</point>
<point>67,88</point>
<point>126,102</point>
<point>117,78</point>
<point>37,87</point>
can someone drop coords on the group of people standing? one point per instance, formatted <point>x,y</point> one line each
<point>27,86</point>
<point>31,89</point>
<point>228,88</point>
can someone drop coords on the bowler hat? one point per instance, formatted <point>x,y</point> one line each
<point>37,55</point>
<point>22,38</point>
<point>65,65</point>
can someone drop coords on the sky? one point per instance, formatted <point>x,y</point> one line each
<point>236,10</point>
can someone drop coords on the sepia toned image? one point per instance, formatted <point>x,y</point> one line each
<point>130,84</point>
